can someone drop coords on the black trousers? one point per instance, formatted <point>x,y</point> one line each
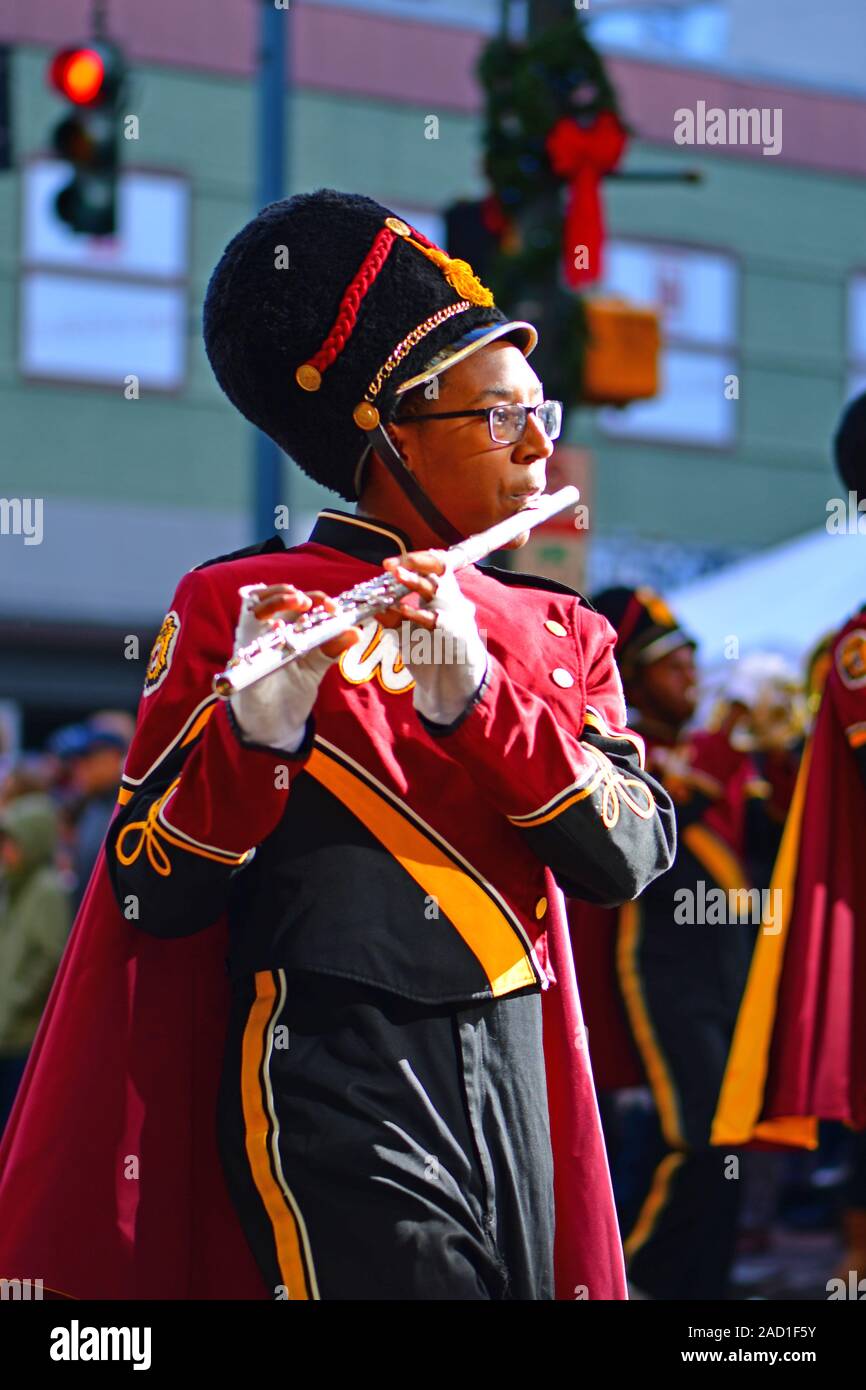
<point>680,1244</point>
<point>682,986</point>
<point>380,1149</point>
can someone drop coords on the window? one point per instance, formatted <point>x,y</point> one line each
<point>695,292</point>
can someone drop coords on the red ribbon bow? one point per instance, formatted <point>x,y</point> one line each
<point>583,155</point>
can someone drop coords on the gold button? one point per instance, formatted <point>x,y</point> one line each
<point>308,377</point>
<point>396,224</point>
<point>540,908</point>
<point>556,628</point>
<point>562,677</point>
<point>366,415</point>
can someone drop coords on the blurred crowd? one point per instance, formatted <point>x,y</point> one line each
<point>55,806</point>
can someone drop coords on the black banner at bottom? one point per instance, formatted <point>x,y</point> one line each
<point>64,1338</point>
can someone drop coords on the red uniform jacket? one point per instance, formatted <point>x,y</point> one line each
<point>110,1182</point>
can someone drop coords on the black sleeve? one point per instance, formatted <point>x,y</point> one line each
<point>608,845</point>
<point>169,880</point>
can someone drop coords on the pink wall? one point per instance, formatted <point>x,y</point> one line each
<point>820,130</point>
<point>345,51</point>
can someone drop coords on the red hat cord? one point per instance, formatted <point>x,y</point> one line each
<point>458,273</point>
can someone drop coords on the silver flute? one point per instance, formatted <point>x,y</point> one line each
<point>286,642</point>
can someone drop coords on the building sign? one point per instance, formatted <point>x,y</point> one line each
<point>77,328</point>
<point>100,309</point>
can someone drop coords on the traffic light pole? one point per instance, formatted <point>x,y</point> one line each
<point>270,480</point>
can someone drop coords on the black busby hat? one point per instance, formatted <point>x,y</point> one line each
<point>849,446</point>
<point>324,309</point>
<point>646,629</point>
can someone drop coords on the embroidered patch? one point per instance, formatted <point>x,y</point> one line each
<point>161,653</point>
<point>851,659</point>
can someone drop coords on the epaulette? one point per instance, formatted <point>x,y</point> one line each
<point>274,542</point>
<point>533,581</point>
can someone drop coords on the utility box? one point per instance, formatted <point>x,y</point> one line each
<point>622,353</point>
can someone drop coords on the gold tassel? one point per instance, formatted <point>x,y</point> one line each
<point>459,274</point>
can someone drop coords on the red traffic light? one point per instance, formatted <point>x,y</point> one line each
<point>79,75</point>
<point>91,76</point>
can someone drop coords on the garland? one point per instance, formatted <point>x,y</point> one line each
<point>531,89</point>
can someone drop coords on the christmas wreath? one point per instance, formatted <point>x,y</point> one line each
<point>552,128</point>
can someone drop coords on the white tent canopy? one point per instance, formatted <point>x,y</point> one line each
<point>781,600</point>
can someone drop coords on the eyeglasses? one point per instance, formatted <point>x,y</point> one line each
<point>506,423</point>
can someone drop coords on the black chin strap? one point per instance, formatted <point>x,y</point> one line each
<point>383,444</point>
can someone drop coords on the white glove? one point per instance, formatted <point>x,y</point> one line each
<point>450,662</point>
<point>274,711</point>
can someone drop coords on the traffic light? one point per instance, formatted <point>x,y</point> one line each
<point>91,78</point>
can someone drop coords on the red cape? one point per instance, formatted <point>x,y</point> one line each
<point>110,1179</point>
<point>799,1050</point>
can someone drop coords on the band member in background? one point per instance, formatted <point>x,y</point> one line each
<point>377,836</point>
<point>799,1050</point>
<point>662,980</point>
<point>763,712</point>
